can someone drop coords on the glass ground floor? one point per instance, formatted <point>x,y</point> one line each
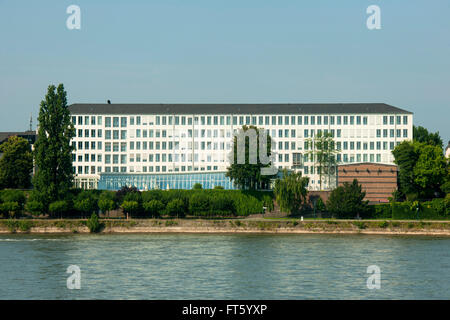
<point>148,181</point>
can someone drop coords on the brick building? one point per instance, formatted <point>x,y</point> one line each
<point>377,180</point>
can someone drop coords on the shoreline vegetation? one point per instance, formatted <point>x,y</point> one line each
<point>222,226</point>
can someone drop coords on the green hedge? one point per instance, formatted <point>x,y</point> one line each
<point>435,209</point>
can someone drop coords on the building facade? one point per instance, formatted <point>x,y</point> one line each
<point>377,180</point>
<point>116,143</point>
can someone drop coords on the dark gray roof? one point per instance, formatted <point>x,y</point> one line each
<point>286,108</point>
<point>30,135</point>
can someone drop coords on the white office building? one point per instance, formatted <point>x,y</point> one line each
<point>175,145</point>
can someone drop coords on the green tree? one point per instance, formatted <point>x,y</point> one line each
<point>130,207</point>
<point>347,201</point>
<point>423,169</point>
<point>53,152</point>
<point>430,169</point>
<point>176,208</point>
<point>197,186</point>
<point>153,207</point>
<point>16,164</point>
<point>421,134</point>
<point>247,175</point>
<point>323,151</point>
<point>405,157</point>
<point>290,191</point>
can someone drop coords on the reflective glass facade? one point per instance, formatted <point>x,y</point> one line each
<point>114,181</point>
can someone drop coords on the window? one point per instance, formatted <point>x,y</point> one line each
<point>123,122</point>
<point>339,120</point>
<point>299,120</point>
<point>108,122</point>
<point>385,120</point>
<point>405,119</point>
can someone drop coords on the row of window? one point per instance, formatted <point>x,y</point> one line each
<point>235,120</point>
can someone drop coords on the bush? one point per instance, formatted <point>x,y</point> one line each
<point>13,196</point>
<point>153,207</point>
<point>106,205</point>
<point>347,201</point>
<point>199,204</point>
<point>86,202</point>
<point>320,206</point>
<point>197,186</point>
<point>10,208</point>
<point>130,207</point>
<point>218,188</point>
<point>35,207</point>
<point>175,207</point>
<point>93,224</point>
<point>60,207</point>
<point>381,211</point>
<point>268,203</point>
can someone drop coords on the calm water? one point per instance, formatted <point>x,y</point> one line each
<point>184,266</point>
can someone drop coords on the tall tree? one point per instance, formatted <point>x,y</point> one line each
<point>323,152</point>
<point>53,152</point>
<point>16,163</point>
<point>422,169</point>
<point>347,201</point>
<point>421,134</point>
<point>290,191</point>
<point>248,175</point>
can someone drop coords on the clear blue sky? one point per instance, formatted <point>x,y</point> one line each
<point>227,51</point>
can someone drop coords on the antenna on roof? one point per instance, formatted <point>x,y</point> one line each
<point>31,122</point>
<point>109,101</point>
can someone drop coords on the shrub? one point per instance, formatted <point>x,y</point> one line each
<point>175,207</point>
<point>60,207</point>
<point>153,207</point>
<point>320,206</point>
<point>13,196</point>
<point>106,205</point>
<point>383,224</point>
<point>218,188</point>
<point>197,186</point>
<point>34,207</point>
<point>130,207</point>
<point>10,208</point>
<point>347,201</point>
<point>382,211</point>
<point>268,203</point>
<point>199,204</point>
<point>25,225</point>
<point>93,224</point>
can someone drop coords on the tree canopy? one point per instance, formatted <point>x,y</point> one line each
<point>53,152</point>
<point>423,169</point>
<point>347,201</point>
<point>247,175</point>
<point>421,134</point>
<point>290,191</point>
<point>16,164</point>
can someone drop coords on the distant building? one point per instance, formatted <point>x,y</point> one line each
<point>29,135</point>
<point>447,150</point>
<point>376,179</point>
<point>169,146</point>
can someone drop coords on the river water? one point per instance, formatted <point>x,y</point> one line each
<point>231,266</point>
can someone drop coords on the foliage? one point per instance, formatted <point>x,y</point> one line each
<point>16,163</point>
<point>347,201</point>
<point>197,186</point>
<point>246,175</point>
<point>60,207</point>
<point>120,194</point>
<point>52,149</point>
<point>10,208</point>
<point>421,134</point>
<point>323,150</point>
<point>199,203</point>
<point>34,207</point>
<point>423,169</point>
<point>106,205</point>
<point>13,196</point>
<point>320,206</point>
<point>290,191</point>
<point>268,203</point>
<point>218,188</point>
<point>130,207</point>
<point>175,207</point>
<point>93,224</point>
<point>86,202</point>
<point>154,207</point>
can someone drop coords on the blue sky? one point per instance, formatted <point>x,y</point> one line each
<point>228,51</point>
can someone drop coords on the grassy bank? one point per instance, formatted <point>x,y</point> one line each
<point>229,226</point>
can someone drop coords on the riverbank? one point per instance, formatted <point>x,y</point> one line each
<point>275,226</point>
